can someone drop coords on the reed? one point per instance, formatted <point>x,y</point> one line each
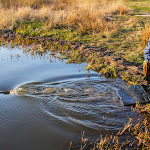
<point>85,16</point>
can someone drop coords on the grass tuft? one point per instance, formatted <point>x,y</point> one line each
<point>145,33</point>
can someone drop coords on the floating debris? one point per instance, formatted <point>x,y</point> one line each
<point>5,92</point>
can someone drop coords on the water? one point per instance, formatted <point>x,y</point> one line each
<point>53,102</point>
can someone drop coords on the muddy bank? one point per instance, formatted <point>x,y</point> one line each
<point>101,59</point>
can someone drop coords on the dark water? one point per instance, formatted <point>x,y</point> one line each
<point>52,102</point>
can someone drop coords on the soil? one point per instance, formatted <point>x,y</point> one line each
<point>87,49</point>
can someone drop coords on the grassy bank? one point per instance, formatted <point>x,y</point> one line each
<point>87,22</point>
<point>109,35</point>
<point>101,26</point>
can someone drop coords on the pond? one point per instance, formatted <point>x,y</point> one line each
<point>52,102</point>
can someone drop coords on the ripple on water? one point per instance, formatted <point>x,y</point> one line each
<point>14,109</point>
<point>92,103</point>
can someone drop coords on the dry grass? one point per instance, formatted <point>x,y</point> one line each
<point>133,136</point>
<point>145,33</point>
<point>39,3</point>
<point>7,18</point>
<point>23,3</point>
<point>86,16</point>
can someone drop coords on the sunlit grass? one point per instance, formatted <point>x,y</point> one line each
<point>90,22</point>
<point>145,34</point>
<point>84,16</point>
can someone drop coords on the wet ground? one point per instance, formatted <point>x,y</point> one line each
<point>130,71</point>
<point>52,102</point>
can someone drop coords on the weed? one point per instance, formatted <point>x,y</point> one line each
<point>138,135</point>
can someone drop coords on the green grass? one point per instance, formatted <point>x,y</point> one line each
<point>42,29</point>
<point>142,6</point>
<point>125,41</point>
<point>120,42</point>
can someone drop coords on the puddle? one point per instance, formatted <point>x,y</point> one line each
<point>54,101</point>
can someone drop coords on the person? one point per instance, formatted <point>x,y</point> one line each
<point>146,63</point>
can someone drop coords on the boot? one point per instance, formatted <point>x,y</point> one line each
<point>146,69</point>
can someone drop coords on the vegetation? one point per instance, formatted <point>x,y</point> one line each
<point>109,35</point>
<point>108,25</point>
<point>140,6</point>
<point>134,135</point>
<point>86,17</point>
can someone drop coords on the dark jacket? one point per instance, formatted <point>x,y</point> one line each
<point>147,52</point>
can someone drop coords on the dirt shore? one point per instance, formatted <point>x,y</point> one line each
<point>130,72</point>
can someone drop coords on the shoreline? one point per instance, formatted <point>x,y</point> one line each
<point>102,60</point>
